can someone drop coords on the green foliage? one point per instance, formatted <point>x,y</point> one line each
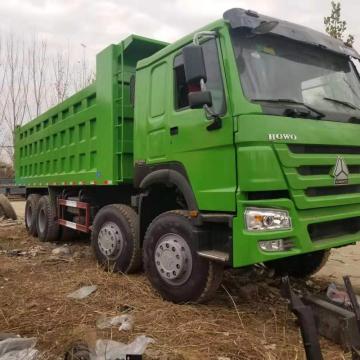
<point>336,27</point>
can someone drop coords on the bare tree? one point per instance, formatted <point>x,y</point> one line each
<point>82,73</point>
<point>61,73</point>
<point>3,101</point>
<point>33,77</point>
<point>38,71</point>
<point>17,80</point>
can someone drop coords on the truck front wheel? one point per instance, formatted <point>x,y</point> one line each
<point>115,238</point>
<point>300,266</point>
<point>32,202</point>
<point>171,263</point>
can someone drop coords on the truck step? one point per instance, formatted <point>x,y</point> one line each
<point>214,255</point>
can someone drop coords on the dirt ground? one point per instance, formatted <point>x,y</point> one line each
<point>236,324</point>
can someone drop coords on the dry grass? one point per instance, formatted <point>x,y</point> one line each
<point>33,302</point>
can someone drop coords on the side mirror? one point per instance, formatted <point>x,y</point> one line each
<point>198,99</point>
<point>194,64</point>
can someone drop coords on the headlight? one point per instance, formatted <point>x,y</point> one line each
<point>267,219</point>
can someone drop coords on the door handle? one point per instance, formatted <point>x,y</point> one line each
<point>174,130</point>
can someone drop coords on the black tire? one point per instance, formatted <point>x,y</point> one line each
<point>121,223</point>
<point>200,284</point>
<point>300,266</point>
<point>32,202</point>
<point>7,208</point>
<point>46,224</point>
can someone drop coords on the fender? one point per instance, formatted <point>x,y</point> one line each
<point>171,177</point>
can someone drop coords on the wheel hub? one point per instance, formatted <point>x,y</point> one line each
<point>173,259</point>
<point>110,240</point>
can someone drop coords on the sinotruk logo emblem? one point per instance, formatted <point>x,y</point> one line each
<point>340,172</point>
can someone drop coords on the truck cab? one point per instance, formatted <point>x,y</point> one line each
<point>269,166</point>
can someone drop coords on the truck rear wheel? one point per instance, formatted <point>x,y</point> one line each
<point>46,224</point>
<point>32,202</point>
<point>300,266</point>
<point>171,263</point>
<point>115,238</point>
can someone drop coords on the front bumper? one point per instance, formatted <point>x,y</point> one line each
<point>246,250</point>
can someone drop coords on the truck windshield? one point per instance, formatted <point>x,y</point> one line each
<point>287,75</point>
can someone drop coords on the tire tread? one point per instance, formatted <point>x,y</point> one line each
<point>132,218</point>
<point>33,199</point>
<point>52,226</point>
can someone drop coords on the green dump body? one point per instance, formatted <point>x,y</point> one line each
<point>88,138</point>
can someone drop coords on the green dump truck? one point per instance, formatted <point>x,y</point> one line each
<point>238,144</point>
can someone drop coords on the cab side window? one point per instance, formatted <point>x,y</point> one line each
<point>181,89</point>
<point>214,81</point>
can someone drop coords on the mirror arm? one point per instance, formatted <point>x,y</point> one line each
<point>216,120</point>
<point>201,35</point>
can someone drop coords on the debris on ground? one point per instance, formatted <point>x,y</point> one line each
<point>77,351</point>
<point>6,222</point>
<point>83,292</point>
<point>31,252</point>
<point>111,350</point>
<point>17,348</point>
<point>338,296</point>
<point>108,349</point>
<point>6,208</point>
<point>61,250</point>
<point>125,321</point>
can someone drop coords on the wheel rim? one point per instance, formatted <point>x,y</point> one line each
<point>29,215</point>
<point>110,240</point>
<point>173,259</point>
<point>42,220</point>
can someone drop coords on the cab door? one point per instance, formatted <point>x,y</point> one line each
<point>208,155</point>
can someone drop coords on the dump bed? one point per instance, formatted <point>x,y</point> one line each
<point>87,139</point>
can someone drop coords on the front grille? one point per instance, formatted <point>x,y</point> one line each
<point>309,172</point>
<point>306,170</point>
<point>334,229</point>
<point>332,190</point>
<point>323,149</point>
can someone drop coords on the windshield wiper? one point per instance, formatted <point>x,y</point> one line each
<point>342,102</point>
<point>295,102</point>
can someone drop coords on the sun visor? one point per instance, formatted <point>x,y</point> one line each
<point>247,19</point>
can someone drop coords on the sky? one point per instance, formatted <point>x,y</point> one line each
<point>94,24</point>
